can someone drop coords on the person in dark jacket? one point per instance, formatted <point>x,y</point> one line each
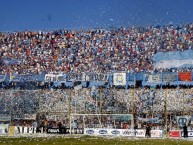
<point>185,129</point>
<point>60,127</point>
<point>148,131</point>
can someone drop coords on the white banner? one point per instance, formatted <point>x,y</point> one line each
<point>156,133</point>
<point>119,79</point>
<point>154,78</point>
<point>5,117</point>
<point>172,63</point>
<point>111,132</point>
<point>181,120</point>
<point>24,130</point>
<point>140,133</point>
<point>55,78</point>
<point>29,116</point>
<point>190,134</point>
<point>98,77</point>
<point>128,132</point>
<point>149,120</point>
<point>78,87</point>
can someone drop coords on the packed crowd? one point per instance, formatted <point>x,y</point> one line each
<point>93,101</point>
<point>54,105</point>
<point>124,49</point>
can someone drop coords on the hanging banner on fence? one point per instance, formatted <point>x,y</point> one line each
<point>149,120</point>
<point>72,77</point>
<point>29,116</point>
<point>98,77</point>
<point>24,78</point>
<point>185,76</point>
<point>190,134</point>
<point>181,120</point>
<point>24,130</point>
<point>5,117</point>
<point>18,116</point>
<point>2,78</point>
<point>169,77</point>
<point>140,133</point>
<point>128,132</point>
<point>175,133</point>
<point>123,117</point>
<point>112,132</point>
<point>25,116</point>
<point>55,78</point>
<point>156,133</point>
<point>53,130</point>
<point>154,78</point>
<point>119,79</point>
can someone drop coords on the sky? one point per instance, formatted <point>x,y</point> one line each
<point>19,15</point>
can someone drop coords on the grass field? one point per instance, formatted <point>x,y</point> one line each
<point>87,140</point>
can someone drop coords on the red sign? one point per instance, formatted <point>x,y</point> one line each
<point>174,133</point>
<point>185,76</point>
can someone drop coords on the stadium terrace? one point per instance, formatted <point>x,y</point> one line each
<point>98,82</point>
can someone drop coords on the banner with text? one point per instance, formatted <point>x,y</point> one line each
<point>154,78</point>
<point>185,76</point>
<point>119,79</point>
<point>169,77</point>
<point>55,78</point>
<point>98,77</point>
<point>181,120</point>
<point>24,78</point>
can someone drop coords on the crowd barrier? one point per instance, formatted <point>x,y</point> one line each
<point>65,131</point>
<point>122,132</point>
<point>180,133</point>
<point>13,130</point>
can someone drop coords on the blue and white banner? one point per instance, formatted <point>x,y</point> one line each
<point>190,134</point>
<point>24,78</point>
<point>86,77</point>
<point>169,77</point>
<point>111,132</point>
<point>73,77</point>
<point>55,78</point>
<point>149,120</point>
<point>173,59</point>
<point>181,120</point>
<point>98,77</point>
<point>119,79</point>
<point>156,133</point>
<point>4,117</point>
<point>140,133</point>
<point>154,78</point>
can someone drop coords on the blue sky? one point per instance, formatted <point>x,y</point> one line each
<point>16,15</point>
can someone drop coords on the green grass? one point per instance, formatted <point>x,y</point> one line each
<point>87,140</point>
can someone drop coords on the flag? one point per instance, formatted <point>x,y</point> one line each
<point>119,79</point>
